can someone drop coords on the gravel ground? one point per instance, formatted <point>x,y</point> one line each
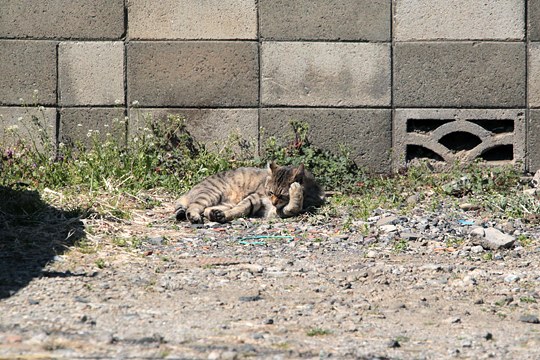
<point>428,285</point>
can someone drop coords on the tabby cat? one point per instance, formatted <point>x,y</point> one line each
<point>284,191</point>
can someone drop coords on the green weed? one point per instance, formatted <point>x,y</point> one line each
<point>318,332</point>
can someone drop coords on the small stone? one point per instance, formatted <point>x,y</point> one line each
<point>531,319</point>
<point>488,336</point>
<point>511,278</point>
<point>466,343</point>
<point>477,249</point>
<point>250,298</point>
<point>413,199</point>
<point>394,344</point>
<point>388,228</point>
<point>371,254</point>
<point>269,322</point>
<point>155,240</point>
<point>410,236</point>
<point>388,220</point>
<point>469,207</point>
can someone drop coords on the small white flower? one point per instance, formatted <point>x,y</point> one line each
<point>89,134</point>
<point>79,125</point>
<point>36,91</point>
<point>118,101</point>
<point>135,103</point>
<point>41,108</point>
<point>21,100</point>
<point>20,118</point>
<point>12,128</point>
<point>61,145</point>
<point>106,125</point>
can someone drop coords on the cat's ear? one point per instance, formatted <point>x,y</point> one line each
<point>298,174</point>
<point>272,167</point>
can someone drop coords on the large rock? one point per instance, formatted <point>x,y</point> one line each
<point>491,238</point>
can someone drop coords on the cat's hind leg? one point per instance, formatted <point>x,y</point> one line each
<point>248,206</point>
<point>222,208</point>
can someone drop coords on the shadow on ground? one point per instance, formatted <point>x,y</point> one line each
<point>32,233</point>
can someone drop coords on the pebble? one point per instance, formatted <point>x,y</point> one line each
<point>531,319</point>
<point>511,278</point>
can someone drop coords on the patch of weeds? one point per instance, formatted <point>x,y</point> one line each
<point>400,246</point>
<point>528,300</point>
<point>100,263</point>
<point>318,332</point>
<point>454,242</point>
<point>333,171</point>
<point>488,256</point>
<point>85,246</point>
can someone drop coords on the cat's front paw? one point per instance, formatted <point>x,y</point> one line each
<point>194,217</point>
<point>295,189</point>
<point>180,212</point>
<point>217,216</point>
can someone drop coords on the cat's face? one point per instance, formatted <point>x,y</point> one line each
<point>281,178</point>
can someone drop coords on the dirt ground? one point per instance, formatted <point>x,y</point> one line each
<point>312,288</point>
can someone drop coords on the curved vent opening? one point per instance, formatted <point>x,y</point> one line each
<point>498,126</point>
<point>499,153</point>
<point>460,140</point>
<point>424,125</point>
<point>420,152</point>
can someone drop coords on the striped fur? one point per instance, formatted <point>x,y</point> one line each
<point>284,191</point>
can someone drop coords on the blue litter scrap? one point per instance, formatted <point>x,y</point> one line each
<point>248,240</point>
<point>465,222</point>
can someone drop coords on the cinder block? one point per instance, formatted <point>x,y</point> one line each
<point>459,74</point>
<point>28,72</point>
<point>28,124</point>
<point>325,20</point>
<point>60,19</point>
<point>448,135</point>
<point>534,75</point>
<point>366,132</point>
<point>185,19</point>
<point>216,128</point>
<point>325,74</point>
<point>459,20</point>
<point>91,73</point>
<point>533,139</point>
<point>533,14</point>
<point>205,74</point>
<point>79,124</point>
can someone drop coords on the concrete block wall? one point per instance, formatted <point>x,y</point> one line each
<point>391,80</point>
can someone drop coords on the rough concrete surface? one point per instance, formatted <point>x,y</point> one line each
<point>80,124</point>
<point>465,74</point>
<point>365,132</point>
<point>534,75</point>
<point>211,19</point>
<point>60,19</point>
<point>91,73</point>
<point>533,14</point>
<point>18,120</point>
<point>216,128</point>
<point>533,140</point>
<point>28,72</point>
<point>325,74</point>
<point>432,128</point>
<point>325,20</point>
<point>193,73</point>
<point>459,20</point>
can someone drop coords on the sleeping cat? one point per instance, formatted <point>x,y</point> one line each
<point>284,191</point>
